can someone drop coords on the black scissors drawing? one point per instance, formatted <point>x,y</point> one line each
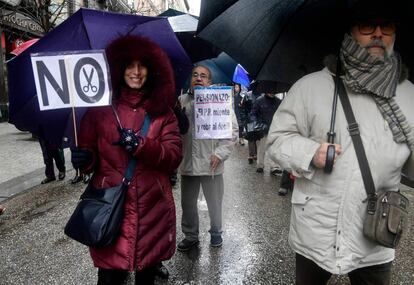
<point>88,87</point>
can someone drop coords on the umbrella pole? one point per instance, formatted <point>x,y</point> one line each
<point>74,125</point>
<point>330,155</point>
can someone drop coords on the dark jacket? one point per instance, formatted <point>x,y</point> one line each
<point>246,106</point>
<point>149,227</point>
<point>238,109</point>
<point>263,110</point>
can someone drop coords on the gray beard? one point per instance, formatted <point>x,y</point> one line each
<point>387,51</point>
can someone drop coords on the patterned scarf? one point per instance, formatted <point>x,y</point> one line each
<point>366,74</point>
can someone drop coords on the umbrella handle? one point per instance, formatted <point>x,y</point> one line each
<point>330,158</point>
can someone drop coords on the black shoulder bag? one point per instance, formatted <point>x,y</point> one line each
<point>387,211</point>
<point>97,218</point>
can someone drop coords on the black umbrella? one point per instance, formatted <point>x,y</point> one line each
<point>282,40</point>
<point>266,86</point>
<point>171,12</point>
<point>185,26</point>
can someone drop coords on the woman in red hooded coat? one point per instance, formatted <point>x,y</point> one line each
<point>143,83</point>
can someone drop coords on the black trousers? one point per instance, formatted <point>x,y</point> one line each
<point>286,182</point>
<point>241,129</point>
<point>52,152</point>
<point>252,148</point>
<point>118,277</point>
<point>309,273</point>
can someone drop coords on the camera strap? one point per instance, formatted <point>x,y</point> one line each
<point>144,130</point>
<point>116,116</point>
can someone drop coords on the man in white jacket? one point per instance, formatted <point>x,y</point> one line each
<point>202,165</point>
<point>328,209</point>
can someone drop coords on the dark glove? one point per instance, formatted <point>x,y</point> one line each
<point>128,139</point>
<point>80,158</point>
<point>183,123</point>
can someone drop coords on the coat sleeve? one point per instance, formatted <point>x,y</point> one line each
<point>224,147</point>
<point>165,151</point>
<point>288,140</point>
<point>408,169</point>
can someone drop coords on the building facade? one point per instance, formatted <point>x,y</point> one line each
<point>15,28</point>
<point>156,7</point>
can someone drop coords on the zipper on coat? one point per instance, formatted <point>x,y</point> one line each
<point>135,262</point>
<point>160,185</point>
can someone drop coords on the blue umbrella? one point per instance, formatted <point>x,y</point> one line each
<point>221,67</point>
<point>85,30</point>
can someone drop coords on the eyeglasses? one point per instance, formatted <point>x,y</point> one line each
<point>203,76</point>
<point>368,28</point>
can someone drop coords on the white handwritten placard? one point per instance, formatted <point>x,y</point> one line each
<point>213,112</point>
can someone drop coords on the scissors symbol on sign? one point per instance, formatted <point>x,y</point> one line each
<point>88,87</point>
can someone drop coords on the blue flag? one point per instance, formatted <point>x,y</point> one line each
<point>240,76</point>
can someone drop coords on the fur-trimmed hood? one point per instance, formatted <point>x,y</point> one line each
<point>160,86</point>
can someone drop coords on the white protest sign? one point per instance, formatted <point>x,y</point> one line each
<point>75,79</point>
<point>213,112</point>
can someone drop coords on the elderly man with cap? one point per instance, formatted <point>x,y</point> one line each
<point>328,210</point>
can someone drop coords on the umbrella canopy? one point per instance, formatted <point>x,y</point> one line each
<point>18,50</point>
<point>282,40</point>
<point>85,30</point>
<point>171,12</point>
<point>185,27</point>
<point>221,67</point>
<point>265,86</point>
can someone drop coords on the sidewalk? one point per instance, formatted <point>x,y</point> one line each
<point>21,161</point>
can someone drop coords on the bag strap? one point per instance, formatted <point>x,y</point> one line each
<point>353,129</point>
<point>133,161</point>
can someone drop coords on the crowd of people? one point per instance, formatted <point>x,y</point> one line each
<point>327,209</point>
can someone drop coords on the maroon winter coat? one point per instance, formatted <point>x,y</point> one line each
<point>148,229</point>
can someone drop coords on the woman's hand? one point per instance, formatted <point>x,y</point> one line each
<point>128,139</point>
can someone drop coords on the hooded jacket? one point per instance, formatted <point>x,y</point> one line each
<point>328,210</point>
<point>263,110</point>
<point>148,229</point>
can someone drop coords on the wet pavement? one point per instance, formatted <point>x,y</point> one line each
<point>21,161</point>
<point>34,249</point>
